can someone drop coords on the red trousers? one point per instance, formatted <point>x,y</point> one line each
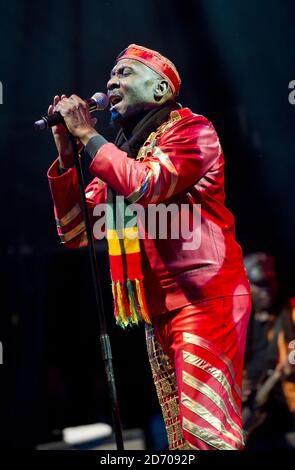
<point>197,356</point>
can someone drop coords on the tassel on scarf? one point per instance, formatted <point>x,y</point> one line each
<point>132,311</point>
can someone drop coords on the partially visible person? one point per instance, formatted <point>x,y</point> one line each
<point>286,352</point>
<point>263,280</point>
<point>266,415</point>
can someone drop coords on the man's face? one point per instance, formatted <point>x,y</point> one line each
<point>131,89</point>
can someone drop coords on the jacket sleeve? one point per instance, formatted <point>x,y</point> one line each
<point>182,156</point>
<point>67,204</point>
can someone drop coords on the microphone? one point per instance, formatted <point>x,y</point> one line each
<point>98,102</point>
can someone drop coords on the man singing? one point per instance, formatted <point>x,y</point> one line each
<point>191,291</point>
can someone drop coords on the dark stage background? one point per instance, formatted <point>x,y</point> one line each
<point>236,59</point>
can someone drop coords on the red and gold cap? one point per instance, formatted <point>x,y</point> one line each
<point>155,61</point>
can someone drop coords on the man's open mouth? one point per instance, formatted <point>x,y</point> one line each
<point>114,100</point>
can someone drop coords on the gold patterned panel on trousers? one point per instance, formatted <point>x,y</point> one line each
<point>166,387</point>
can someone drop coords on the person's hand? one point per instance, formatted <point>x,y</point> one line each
<point>61,137</point>
<point>77,117</point>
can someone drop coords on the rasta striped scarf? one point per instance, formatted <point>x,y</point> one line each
<point>125,263</point>
<point>122,236</point>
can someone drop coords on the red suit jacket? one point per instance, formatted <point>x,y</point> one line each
<point>181,163</point>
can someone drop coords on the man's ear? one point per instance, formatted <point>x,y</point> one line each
<point>161,88</point>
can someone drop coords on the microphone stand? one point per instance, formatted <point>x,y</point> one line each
<point>104,337</point>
